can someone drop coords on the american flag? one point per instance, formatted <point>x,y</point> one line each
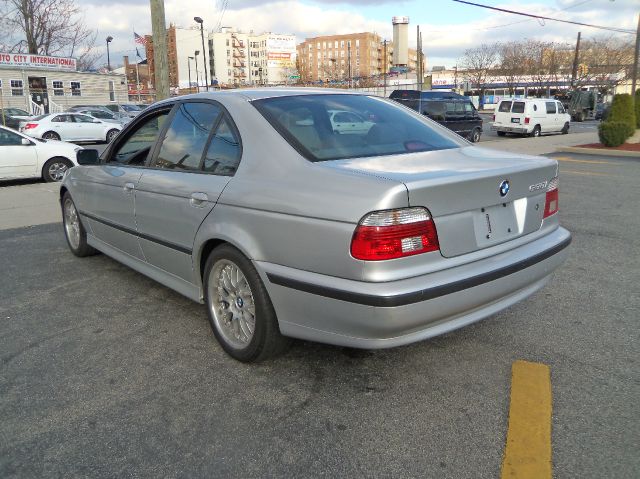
<point>139,39</point>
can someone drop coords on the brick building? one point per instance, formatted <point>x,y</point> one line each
<point>329,57</point>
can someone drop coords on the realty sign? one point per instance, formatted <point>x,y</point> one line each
<point>27,60</point>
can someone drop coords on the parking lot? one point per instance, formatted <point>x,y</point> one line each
<point>106,373</point>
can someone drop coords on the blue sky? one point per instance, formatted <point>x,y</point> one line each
<point>448,27</point>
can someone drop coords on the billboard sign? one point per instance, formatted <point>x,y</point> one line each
<point>27,60</point>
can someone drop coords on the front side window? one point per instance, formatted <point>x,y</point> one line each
<point>8,138</point>
<point>139,141</point>
<point>183,145</point>
<point>561,108</point>
<point>505,107</point>
<point>83,119</point>
<point>551,107</point>
<point>518,107</point>
<point>388,129</point>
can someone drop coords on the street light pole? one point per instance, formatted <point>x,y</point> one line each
<point>204,50</point>
<point>109,40</point>
<point>195,54</point>
<point>189,67</point>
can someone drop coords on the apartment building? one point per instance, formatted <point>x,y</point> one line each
<point>338,57</point>
<point>239,58</point>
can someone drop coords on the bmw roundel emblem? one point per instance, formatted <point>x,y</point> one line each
<point>504,188</point>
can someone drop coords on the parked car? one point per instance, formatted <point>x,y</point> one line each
<point>24,157</point>
<point>11,117</point>
<point>288,229</point>
<point>128,110</point>
<point>602,111</point>
<point>348,123</point>
<point>531,117</point>
<point>70,127</point>
<point>104,115</point>
<point>450,109</point>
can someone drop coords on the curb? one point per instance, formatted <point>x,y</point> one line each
<point>599,152</point>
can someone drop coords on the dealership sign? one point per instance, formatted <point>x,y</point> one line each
<point>27,60</point>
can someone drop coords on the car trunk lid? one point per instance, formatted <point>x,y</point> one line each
<point>461,188</point>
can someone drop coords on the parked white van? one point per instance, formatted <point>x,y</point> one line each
<point>531,117</point>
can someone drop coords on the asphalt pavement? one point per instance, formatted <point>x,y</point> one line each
<point>105,373</point>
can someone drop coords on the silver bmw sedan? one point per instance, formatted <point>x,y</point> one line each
<point>370,235</point>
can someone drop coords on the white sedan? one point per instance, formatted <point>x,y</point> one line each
<point>70,127</point>
<point>24,157</point>
<point>349,123</point>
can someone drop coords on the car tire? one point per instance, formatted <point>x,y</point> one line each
<point>246,335</point>
<point>535,132</point>
<point>55,168</point>
<point>474,136</point>
<point>74,232</point>
<point>502,133</point>
<point>111,134</point>
<point>51,135</point>
<point>565,128</point>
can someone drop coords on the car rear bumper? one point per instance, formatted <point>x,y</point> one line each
<point>510,129</point>
<point>381,315</point>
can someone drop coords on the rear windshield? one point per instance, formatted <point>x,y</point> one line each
<point>505,107</point>
<point>518,107</point>
<point>309,124</point>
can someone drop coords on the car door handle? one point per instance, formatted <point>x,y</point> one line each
<point>128,188</point>
<point>198,199</point>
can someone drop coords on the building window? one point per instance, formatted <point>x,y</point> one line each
<point>112,90</point>
<point>75,88</point>
<point>227,42</point>
<point>357,43</point>
<point>17,88</point>
<point>58,88</point>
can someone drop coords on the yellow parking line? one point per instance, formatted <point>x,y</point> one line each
<point>528,450</point>
<point>585,173</point>
<point>595,162</point>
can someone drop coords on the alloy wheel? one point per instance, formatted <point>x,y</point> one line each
<point>72,223</point>
<point>232,304</point>
<point>57,169</point>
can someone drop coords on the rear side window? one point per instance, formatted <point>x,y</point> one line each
<point>551,106</point>
<point>185,140</point>
<point>518,107</point>
<point>304,121</point>
<point>505,107</point>
<point>435,110</point>
<point>223,154</point>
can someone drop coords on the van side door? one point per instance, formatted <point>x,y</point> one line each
<point>551,119</point>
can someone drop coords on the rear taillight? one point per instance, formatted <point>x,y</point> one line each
<point>527,120</point>
<point>29,126</point>
<point>551,200</point>
<point>393,234</point>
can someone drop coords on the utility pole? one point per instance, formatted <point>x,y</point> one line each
<point>634,73</point>
<point>574,71</point>
<point>160,54</point>
<point>384,66</point>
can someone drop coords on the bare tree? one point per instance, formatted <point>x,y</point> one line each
<point>48,27</point>
<point>479,63</point>
<point>513,61</point>
<point>605,62</point>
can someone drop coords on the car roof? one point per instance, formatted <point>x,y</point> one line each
<point>251,94</point>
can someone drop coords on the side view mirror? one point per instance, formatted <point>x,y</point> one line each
<point>26,142</point>
<point>88,157</point>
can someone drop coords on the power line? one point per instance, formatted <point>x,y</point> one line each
<point>540,17</point>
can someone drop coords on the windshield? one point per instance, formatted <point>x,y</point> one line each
<point>130,108</point>
<point>309,124</point>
